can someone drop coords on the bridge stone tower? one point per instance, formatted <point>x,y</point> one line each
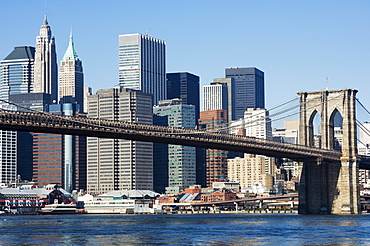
<point>329,187</point>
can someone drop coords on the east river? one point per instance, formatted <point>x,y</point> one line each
<point>202,229</point>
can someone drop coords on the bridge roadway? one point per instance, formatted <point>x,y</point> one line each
<point>92,127</point>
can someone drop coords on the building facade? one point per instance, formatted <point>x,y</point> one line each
<point>364,149</point>
<point>215,97</point>
<point>46,68</point>
<point>71,77</point>
<point>216,160</point>
<point>17,72</point>
<point>181,159</point>
<point>252,169</point>
<point>255,123</point>
<point>60,159</point>
<point>8,156</point>
<point>116,164</point>
<point>142,65</point>
<point>16,77</point>
<point>32,101</point>
<point>249,89</point>
<point>184,86</point>
<point>230,84</point>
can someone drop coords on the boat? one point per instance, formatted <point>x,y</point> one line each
<point>59,208</point>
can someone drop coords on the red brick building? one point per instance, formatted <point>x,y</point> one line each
<point>216,160</point>
<point>218,196</point>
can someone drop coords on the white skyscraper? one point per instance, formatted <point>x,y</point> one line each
<point>71,77</point>
<point>142,65</point>
<point>46,69</point>
<point>215,97</point>
<point>255,123</point>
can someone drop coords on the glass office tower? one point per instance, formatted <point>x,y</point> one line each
<point>142,65</point>
<point>249,89</point>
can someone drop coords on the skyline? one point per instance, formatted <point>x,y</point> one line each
<point>296,45</point>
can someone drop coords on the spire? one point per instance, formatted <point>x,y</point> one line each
<point>45,30</point>
<point>45,21</point>
<point>71,53</point>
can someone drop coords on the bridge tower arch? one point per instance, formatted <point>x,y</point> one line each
<point>329,187</point>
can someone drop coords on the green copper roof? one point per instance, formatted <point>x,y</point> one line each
<point>71,53</point>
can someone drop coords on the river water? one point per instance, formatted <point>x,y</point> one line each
<point>202,229</point>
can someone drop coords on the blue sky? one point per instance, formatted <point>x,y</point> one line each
<point>296,43</point>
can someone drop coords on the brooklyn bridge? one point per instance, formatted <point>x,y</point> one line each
<point>329,181</point>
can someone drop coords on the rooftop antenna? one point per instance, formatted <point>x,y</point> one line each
<point>327,83</point>
<point>45,8</point>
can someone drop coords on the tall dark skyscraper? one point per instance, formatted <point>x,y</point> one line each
<point>184,86</point>
<point>249,89</point>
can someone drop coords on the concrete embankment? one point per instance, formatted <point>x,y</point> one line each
<point>256,211</point>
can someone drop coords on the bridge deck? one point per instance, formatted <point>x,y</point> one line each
<point>48,123</point>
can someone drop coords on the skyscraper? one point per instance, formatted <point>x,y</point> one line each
<point>229,82</point>
<point>46,69</point>
<point>16,72</point>
<point>71,77</point>
<point>255,123</point>
<point>142,65</point>
<point>16,77</point>
<point>60,159</point>
<point>184,86</point>
<point>181,159</point>
<point>216,160</point>
<point>116,164</point>
<point>249,89</point>
<point>33,101</point>
<point>215,97</point>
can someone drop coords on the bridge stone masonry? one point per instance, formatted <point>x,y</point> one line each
<point>329,180</point>
<point>329,186</point>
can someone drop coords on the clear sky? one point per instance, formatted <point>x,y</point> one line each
<point>296,43</point>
